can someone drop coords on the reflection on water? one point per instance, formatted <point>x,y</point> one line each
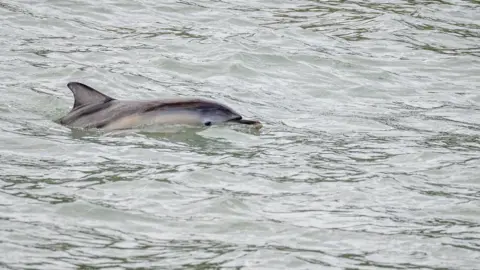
<point>368,157</point>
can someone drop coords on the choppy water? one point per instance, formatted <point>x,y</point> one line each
<point>369,157</point>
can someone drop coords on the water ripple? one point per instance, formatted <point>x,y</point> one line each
<point>368,157</point>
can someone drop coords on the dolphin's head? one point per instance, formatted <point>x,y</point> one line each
<point>213,113</point>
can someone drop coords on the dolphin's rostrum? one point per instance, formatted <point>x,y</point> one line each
<point>92,109</point>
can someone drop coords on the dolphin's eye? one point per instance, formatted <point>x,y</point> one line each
<point>208,123</point>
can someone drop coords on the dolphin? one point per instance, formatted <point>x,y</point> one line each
<point>95,110</point>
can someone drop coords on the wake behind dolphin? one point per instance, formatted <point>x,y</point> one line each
<point>95,110</point>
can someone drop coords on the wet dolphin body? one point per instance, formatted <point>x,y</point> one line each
<point>92,109</point>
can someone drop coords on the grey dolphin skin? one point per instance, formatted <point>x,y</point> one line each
<point>92,109</point>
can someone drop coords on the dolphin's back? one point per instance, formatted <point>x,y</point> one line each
<point>119,114</point>
<point>101,114</point>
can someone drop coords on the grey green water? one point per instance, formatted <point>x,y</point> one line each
<point>369,157</point>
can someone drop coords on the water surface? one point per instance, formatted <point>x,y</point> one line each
<point>368,159</point>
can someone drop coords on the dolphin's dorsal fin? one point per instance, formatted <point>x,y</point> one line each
<point>84,94</point>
